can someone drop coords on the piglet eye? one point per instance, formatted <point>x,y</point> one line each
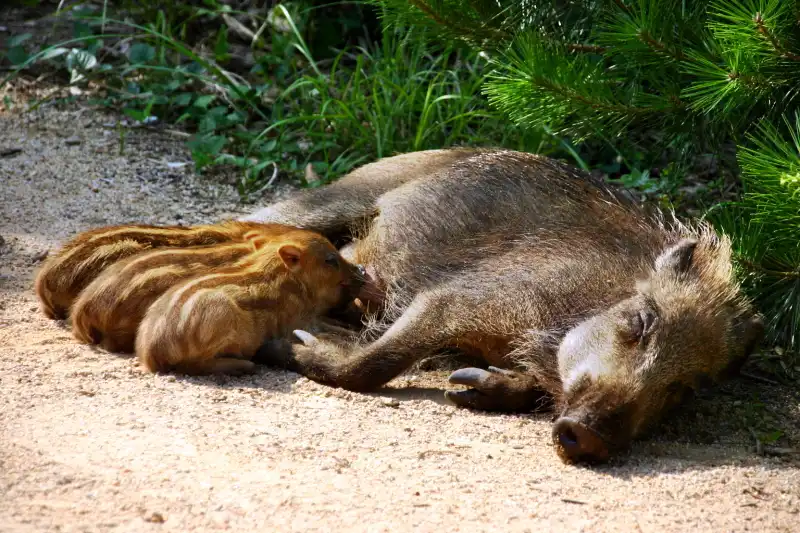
<point>332,260</point>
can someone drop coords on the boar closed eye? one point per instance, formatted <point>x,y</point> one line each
<point>642,324</point>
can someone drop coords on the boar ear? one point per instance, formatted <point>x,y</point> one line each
<point>290,255</point>
<point>677,259</point>
<point>749,331</point>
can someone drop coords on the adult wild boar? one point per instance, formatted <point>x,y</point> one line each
<point>571,292</point>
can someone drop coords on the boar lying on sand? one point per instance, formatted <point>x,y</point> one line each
<point>576,298</point>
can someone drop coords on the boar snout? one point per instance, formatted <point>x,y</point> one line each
<point>578,443</point>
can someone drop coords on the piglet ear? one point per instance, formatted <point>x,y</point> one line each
<point>677,259</point>
<point>290,255</point>
<point>256,239</point>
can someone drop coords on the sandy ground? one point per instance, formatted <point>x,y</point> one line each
<point>89,442</point>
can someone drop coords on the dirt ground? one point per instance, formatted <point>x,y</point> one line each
<point>89,442</point>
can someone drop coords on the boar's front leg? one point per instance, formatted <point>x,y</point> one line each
<point>497,389</point>
<point>424,327</point>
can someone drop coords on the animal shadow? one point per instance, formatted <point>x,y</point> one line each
<point>741,422</point>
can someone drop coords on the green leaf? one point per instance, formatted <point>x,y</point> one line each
<point>256,169</point>
<point>133,87</point>
<point>94,46</point>
<point>149,107</point>
<point>78,59</point>
<point>205,148</point>
<point>204,101</point>
<point>172,86</point>
<point>221,45</point>
<point>194,68</point>
<point>230,159</point>
<point>81,29</point>
<point>269,146</point>
<point>135,114</point>
<point>17,55</point>
<point>183,99</point>
<point>201,160</point>
<point>54,52</point>
<point>17,40</point>
<point>208,144</point>
<point>141,53</point>
<point>769,438</point>
<point>207,124</point>
<point>78,63</point>
<point>218,112</point>
<point>237,117</point>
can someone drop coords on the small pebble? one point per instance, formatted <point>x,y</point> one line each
<point>390,402</point>
<point>39,256</point>
<point>155,518</point>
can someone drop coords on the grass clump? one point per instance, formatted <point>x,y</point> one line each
<point>276,106</point>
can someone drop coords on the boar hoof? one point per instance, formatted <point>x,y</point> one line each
<point>495,389</point>
<point>472,377</point>
<point>307,338</point>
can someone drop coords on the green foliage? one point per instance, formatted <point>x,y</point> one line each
<point>16,52</point>
<point>696,72</point>
<point>398,97</point>
<point>765,225</point>
<point>288,110</point>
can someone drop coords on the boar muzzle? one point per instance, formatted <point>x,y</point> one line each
<point>577,443</point>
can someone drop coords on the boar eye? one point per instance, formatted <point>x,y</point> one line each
<point>642,323</point>
<point>332,260</point>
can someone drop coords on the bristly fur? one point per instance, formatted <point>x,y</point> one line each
<point>108,311</point>
<point>504,255</point>
<point>215,321</point>
<point>68,271</point>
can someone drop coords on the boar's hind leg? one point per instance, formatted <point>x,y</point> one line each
<point>333,209</point>
<point>421,329</point>
<point>497,389</point>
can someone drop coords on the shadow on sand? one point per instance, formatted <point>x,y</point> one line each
<point>742,422</point>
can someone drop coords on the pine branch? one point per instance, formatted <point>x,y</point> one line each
<point>773,160</point>
<point>456,28</point>
<point>541,83</point>
<point>755,267</point>
<point>648,32</point>
<point>570,94</point>
<point>658,46</point>
<point>765,226</point>
<point>776,44</point>
<point>622,6</point>
<point>590,48</point>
